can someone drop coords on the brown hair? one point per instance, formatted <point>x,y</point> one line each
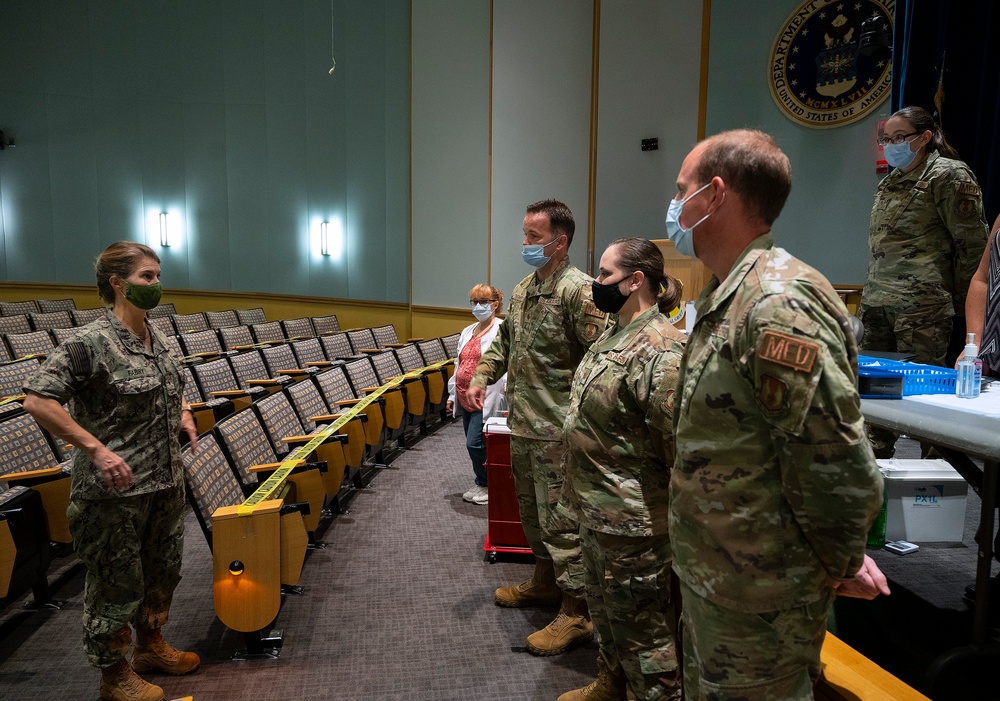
<point>752,166</point>
<point>922,121</point>
<point>487,292</point>
<point>119,259</point>
<point>560,217</point>
<point>642,255</point>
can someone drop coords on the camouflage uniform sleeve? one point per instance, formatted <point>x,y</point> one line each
<point>960,205</point>
<point>493,363</point>
<point>64,372</point>
<point>587,322</point>
<point>805,390</point>
<point>659,404</point>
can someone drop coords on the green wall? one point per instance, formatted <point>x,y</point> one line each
<point>223,114</point>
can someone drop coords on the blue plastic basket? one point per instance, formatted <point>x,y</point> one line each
<point>916,378</point>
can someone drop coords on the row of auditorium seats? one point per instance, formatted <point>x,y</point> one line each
<point>256,403</point>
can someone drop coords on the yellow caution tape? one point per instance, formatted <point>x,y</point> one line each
<point>271,485</point>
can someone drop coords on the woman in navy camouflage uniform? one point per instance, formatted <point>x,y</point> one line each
<point>127,498</point>
<point>617,469</point>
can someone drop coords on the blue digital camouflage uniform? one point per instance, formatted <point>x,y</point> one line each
<point>549,325</point>
<point>927,235</point>
<point>129,398</point>
<point>774,484</point>
<point>617,470</point>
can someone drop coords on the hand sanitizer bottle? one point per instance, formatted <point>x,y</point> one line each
<point>970,371</point>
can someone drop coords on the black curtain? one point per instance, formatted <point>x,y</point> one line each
<point>965,35</point>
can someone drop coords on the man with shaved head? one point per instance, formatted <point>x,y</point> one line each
<point>774,484</point>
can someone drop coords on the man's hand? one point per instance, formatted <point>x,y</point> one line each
<point>449,407</point>
<point>868,583</point>
<point>476,397</point>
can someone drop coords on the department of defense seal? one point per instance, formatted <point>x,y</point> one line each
<point>816,75</point>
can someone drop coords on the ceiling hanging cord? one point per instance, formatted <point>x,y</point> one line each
<point>332,59</point>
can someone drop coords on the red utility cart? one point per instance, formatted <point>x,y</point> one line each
<point>504,533</point>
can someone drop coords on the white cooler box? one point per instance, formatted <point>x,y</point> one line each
<point>926,501</point>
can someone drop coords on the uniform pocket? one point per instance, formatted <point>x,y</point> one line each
<point>137,397</point>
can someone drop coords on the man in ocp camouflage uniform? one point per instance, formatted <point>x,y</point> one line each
<point>549,325</point>
<point>774,483</point>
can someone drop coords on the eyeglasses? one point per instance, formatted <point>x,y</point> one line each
<point>897,139</point>
<point>474,302</point>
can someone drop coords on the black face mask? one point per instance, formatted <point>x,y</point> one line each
<point>608,298</point>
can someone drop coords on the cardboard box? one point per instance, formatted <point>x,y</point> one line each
<point>926,501</point>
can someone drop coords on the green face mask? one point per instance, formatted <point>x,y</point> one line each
<point>143,296</point>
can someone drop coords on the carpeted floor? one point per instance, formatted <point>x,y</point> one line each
<point>400,606</point>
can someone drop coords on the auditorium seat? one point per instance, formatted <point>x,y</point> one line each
<point>314,413</point>
<point>326,324</point>
<point>52,320</point>
<point>16,323</point>
<point>268,546</point>
<point>363,379</point>
<point>335,386</point>
<point>248,317</point>
<point>190,323</point>
<point>436,378</point>
<point>174,345</point>
<point>56,305</point>
<point>298,328</point>
<point>450,344</point>
<point>162,310</point>
<point>206,409</point>
<point>60,336</point>
<point>204,344</point>
<point>221,320</point>
<point>251,371</point>
<point>414,393</point>
<point>385,336</point>
<point>28,306</point>
<point>13,376</point>
<point>236,337</point>
<point>362,341</point>
<point>35,343</point>
<point>287,434</point>
<point>268,332</point>
<point>337,347</point>
<point>280,360</point>
<point>29,459</point>
<point>163,324</point>
<point>309,353</point>
<point>215,379</point>
<point>82,317</point>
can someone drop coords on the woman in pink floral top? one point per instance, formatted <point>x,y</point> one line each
<point>486,302</point>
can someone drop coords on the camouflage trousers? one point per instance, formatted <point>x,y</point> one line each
<point>552,532</point>
<point>737,656</point>
<point>132,549</point>
<point>923,331</point>
<point>628,592</point>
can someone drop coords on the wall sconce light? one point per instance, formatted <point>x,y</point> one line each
<point>324,238</point>
<point>164,233</point>
<point>236,568</point>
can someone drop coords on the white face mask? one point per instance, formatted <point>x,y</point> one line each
<point>482,311</point>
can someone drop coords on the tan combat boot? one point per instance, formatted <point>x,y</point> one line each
<point>571,627</point>
<point>610,685</point>
<point>119,682</point>
<point>540,590</point>
<point>154,654</point>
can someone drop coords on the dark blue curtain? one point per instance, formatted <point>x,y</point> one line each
<point>966,35</point>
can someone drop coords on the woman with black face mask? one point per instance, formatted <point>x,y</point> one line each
<point>619,449</point>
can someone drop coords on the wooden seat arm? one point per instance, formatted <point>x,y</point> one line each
<point>229,393</point>
<point>14,477</point>
<point>319,364</point>
<point>272,466</point>
<point>346,402</point>
<point>263,383</point>
<point>416,340</point>
<point>293,371</point>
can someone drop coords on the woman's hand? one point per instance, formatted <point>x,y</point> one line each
<point>190,428</point>
<point>450,407</point>
<point>115,472</point>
